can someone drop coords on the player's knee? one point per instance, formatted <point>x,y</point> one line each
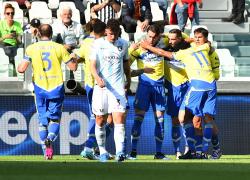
<point>100,120</point>
<point>181,116</point>
<point>197,122</point>
<point>215,128</point>
<point>175,121</point>
<point>54,120</point>
<point>208,118</point>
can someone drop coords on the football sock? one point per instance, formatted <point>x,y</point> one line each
<point>189,129</point>
<point>176,137</point>
<point>207,135</point>
<point>119,137</point>
<point>53,129</point>
<point>136,130</point>
<point>159,132</point>
<point>100,135</point>
<point>43,133</point>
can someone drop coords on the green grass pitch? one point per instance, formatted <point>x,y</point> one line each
<point>229,167</point>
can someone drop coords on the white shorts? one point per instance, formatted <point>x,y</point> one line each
<point>105,101</point>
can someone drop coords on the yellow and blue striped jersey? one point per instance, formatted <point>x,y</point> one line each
<point>198,66</point>
<point>84,53</point>
<point>144,59</point>
<point>46,58</point>
<point>215,63</point>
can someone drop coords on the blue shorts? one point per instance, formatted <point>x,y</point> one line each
<point>48,109</point>
<point>89,92</point>
<point>146,95</point>
<point>175,98</point>
<point>201,102</point>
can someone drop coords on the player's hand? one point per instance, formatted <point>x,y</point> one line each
<point>201,5</point>
<point>9,36</point>
<point>100,82</point>
<point>149,70</point>
<point>134,46</point>
<point>144,25</point>
<point>144,44</point>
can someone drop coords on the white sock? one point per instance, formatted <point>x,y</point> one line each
<point>100,134</point>
<point>119,137</point>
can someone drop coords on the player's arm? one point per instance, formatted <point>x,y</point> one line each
<point>22,67</point>
<point>139,72</point>
<point>156,50</point>
<point>126,67</point>
<point>215,63</point>
<point>72,64</point>
<point>100,82</point>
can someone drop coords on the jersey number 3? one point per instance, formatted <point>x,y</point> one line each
<point>46,58</point>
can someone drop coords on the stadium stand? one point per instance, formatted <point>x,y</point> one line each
<point>156,12</point>
<point>18,12</point>
<point>227,63</point>
<point>40,11</point>
<point>75,12</point>
<point>167,28</point>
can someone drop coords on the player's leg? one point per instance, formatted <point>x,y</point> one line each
<point>176,136</point>
<point>197,121</point>
<point>209,111</point>
<point>54,112</point>
<point>192,107</point>
<point>158,102</point>
<point>175,98</point>
<point>100,109</point>
<point>141,105</point>
<point>43,120</point>
<point>117,105</point>
<point>90,143</point>
<point>216,153</point>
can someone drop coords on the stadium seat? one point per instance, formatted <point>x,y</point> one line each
<point>53,4</point>
<point>18,12</point>
<point>87,12</point>
<point>79,73</point>
<point>67,4</point>
<point>156,12</point>
<point>227,63</point>
<point>40,11</point>
<point>124,35</point>
<point>65,72</point>
<point>4,65</point>
<point>18,59</point>
<point>139,35</point>
<point>167,28</point>
<point>210,36</point>
<point>75,14</point>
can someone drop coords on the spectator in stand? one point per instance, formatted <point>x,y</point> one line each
<point>237,15</point>
<point>105,9</point>
<point>80,6</point>
<point>66,31</point>
<point>136,13</point>
<point>163,5</point>
<point>184,9</point>
<point>10,34</point>
<point>33,29</point>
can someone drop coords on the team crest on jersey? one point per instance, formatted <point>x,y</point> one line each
<point>119,48</point>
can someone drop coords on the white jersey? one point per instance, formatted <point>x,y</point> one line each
<point>109,62</point>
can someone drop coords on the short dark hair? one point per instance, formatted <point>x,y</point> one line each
<point>114,26</point>
<point>89,26</point>
<point>7,6</point>
<point>201,30</point>
<point>154,28</point>
<point>46,30</point>
<point>99,27</point>
<point>177,32</point>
